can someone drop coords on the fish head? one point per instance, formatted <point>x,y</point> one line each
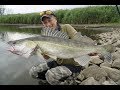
<point>14,42</point>
<point>20,49</point>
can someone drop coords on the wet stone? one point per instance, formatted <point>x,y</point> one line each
<point>113,73</point>
<point>94,71</point>
<point>96,60</point>
<point>107,64</point>
<point>89,81</point>
<point>116,63</point>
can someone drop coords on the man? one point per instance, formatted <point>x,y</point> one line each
<point>56,72</point>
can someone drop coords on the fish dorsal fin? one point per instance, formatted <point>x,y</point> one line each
<point>54,33</point>
<point>79,37</point>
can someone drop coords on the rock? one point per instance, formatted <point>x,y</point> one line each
<point>118,82</point>
<point>109,82</point>
<point>114,74</point>
<point>107,64</point>
<point>110,38</point>
<point>115,55</point>
<point>116,63</point>
<point>96,60</point>
<point>114,40</point>
<point>117,44</point>
<point>78,81</point>
<point>118,49</point>
<point>43,82</point>
<point>89,81</point>
<point>80,77</point>
<point>103,79</point>
<point>94,71</point>
<point>87,65</point>
<point>70,81</point>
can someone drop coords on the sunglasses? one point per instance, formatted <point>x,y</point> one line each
<point>48,12</point>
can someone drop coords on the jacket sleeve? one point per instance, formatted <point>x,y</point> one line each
<point>70,30</point>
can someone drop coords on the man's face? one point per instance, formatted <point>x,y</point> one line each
<point>49,22</point>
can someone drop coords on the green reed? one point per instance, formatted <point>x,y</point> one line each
<point>87,15</point>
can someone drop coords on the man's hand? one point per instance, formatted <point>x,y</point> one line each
<point>93,54</point>
<point>45,56</point>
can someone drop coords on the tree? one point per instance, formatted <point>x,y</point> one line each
<point>8,11</point>
<point>2,9</point>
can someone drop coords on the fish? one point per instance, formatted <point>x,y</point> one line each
<point>56,44</point>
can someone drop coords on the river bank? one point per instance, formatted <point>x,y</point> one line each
<point>108,26</point>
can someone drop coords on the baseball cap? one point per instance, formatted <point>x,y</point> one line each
<point>47,14</point>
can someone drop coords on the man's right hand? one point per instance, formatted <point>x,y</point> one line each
<point>45,56</point>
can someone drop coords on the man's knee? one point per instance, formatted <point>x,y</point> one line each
<point>54,75</point>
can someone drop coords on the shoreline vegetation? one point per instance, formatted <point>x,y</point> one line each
<point>77,26</point>
<point>87,15</point>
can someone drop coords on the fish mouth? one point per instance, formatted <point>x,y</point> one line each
<point>11,42</point>
<point>24,52</point>
<point>14,50</point>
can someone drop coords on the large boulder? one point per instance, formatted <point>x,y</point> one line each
<point>96,60</point>
<point>109,82</point>
<point>115,55</point>
<point>114,74</point>
<point>107,64</point>
<point>93,71</point>
<point>90,81</point>
<point>116,63</point>
<point>118,82</point>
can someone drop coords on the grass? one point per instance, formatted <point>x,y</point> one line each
<point>87,15</point>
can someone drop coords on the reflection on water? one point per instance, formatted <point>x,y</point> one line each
<point>14,70</point>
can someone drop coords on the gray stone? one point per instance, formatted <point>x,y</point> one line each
<point>89,81</point>
<point>118,50</point>
<point>94,71</point>
<point>87,65</point>
<point>114,74</point>
<point>118,82</point>
<point>107,64</point>
<point>78,81</point>
<point>116,63</point>
<point>117,44</point>
<point>96,60</point>
<point>80,77</point>
<point>115,55</point>
<point>103,79</point>
<point>109,82</point>
<point>114,40</point>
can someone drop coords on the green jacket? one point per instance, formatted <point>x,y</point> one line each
<point>71,32</point>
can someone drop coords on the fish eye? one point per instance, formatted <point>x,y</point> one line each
<point>14,42</point>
